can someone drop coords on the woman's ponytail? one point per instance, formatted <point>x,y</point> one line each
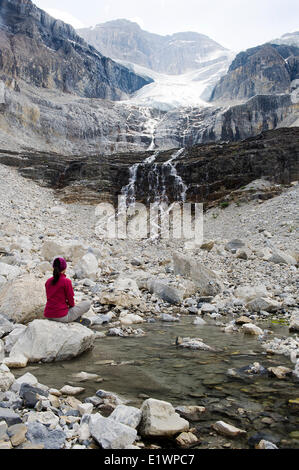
<point>56,271</point>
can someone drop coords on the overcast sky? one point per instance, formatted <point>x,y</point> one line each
<point>236,24</point>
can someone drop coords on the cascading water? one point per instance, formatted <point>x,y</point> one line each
<point>179,187</point>
<point>129,191</point>
<point>158,181</point>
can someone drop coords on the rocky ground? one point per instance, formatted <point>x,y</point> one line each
<point>245,272</point>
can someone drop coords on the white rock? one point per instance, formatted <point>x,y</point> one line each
<point>159,419</point>
<point>128,415</point>
<point>9,272</point>
<point>12,338</point>
<point>16,362</point>
<point>6,379</point>
<point>266,445</point>
<point>85,408</point>
<point>227,429</point>
<point>199,321</point>
<point>58,210</point>
<point>206,280</point>
<point>263,303</point>
<point>27,378</point>
<point>208,308</point>
<point>44,417</point>
<point>72,391</point>
<point>130,319</point>
<point>2,350</point>
<point>71,251</point>
<point>195,343</point>
<point>279,257</point>
<point>23,299</point>
<point>48,341</point>
<point>45,267</point>
<point>87,267</point>
<point>251,329</point>
<point>111,434</point>
<point>124,283</point>
<point>248,293</point>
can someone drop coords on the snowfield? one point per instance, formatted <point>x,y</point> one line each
<point>172,91</point>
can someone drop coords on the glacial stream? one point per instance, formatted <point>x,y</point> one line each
<point>153,366</point>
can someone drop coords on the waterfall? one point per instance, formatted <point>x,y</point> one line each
<point>156,180</point>
<point>169,169</point>
<point>129,191</point>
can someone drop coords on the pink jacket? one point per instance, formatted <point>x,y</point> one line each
<point>60,297</point>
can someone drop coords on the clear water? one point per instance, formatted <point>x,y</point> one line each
<point>154,366</point>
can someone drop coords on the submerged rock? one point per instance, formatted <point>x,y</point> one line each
<point>228,430</point>
<point>194,343</point>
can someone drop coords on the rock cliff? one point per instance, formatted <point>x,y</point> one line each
<point>266,69</point>
<point>47,53</point>
<point>209,171</point>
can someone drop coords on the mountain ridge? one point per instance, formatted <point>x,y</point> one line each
<point>171,54</point>
<point>48,53</point>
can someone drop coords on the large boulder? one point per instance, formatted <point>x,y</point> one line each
<point>207,282</point>
<point>71,251</point>
<point>159,419</point>
<point>23,299</point>
<point>49,341</point>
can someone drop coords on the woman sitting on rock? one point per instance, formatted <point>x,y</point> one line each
<point>60,297</point>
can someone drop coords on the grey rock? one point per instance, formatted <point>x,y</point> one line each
<point>128,415</point>
<point>38,433</point>
<point>31,395</point>
<point>9,416</point>
<point>111,434</point>
<point>164,291</point>
<point>234,245</point>
<point>205,279</point>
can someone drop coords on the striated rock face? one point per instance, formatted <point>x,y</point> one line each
<point>209,171</point>
<point>172,54</point>
<point>266,69</point>
<point>48,53</point>
<point>57,92</point>
<point>191,126</point>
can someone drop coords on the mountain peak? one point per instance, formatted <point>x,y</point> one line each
<point>173,54</point>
